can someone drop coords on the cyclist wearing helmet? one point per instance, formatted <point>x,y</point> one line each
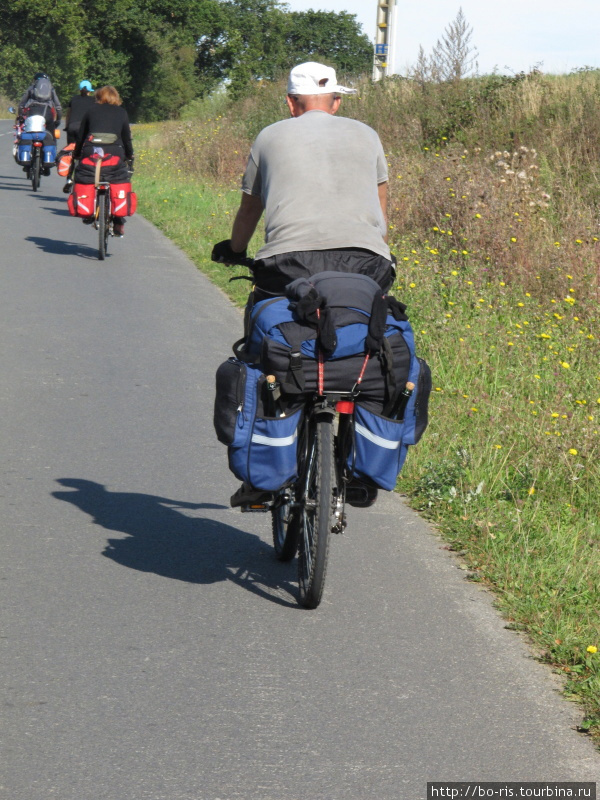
<point>76,108</point>
<point>41,92</point>
<point>41,99</point>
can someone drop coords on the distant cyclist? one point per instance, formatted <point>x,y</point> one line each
<point>40,92</point>
<point>106,121</point>
<point>76,108</point>
<point>41,100</point>
<point>321,181</point>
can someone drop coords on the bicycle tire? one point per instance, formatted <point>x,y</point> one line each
<point>102,225</point>
<point>35,170</point>
<point>316,514</point>
<point>285,528</point>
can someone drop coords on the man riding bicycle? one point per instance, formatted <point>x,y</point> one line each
<point>322,183</point>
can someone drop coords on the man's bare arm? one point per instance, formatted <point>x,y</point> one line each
<point>382,192</point>
<point>245,222</point>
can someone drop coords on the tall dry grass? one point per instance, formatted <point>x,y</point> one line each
<point>487,160</point>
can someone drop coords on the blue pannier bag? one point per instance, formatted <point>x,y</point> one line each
<point>262,443</point>
<point>24,152</point>
<point>381,443</point>
<point>342,317</point>
<point>24,145</point>
<point>49,153</point>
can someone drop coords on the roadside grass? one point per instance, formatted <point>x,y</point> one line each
<point>5,102</point>
<point>509,468</point>
<point>194,214</point>
<point>502,292</point>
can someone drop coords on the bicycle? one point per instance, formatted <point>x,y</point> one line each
<point>103,220</point>
<point>102,217</point>
<point>305,512</point>
<point>34,172</point>
<point>34,168</point>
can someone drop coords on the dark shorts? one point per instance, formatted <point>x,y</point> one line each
<point>273,274</point>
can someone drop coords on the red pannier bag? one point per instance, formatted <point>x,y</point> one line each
<point>64,160</point>
<point>82,200</point>
<point>123,202</point>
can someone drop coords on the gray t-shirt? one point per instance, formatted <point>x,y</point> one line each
<point>317,176</point>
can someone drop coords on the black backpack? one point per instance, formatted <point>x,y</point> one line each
<point>42,90</point>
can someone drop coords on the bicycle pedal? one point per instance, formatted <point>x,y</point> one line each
<point>339,525</point>
<point>253,507</point>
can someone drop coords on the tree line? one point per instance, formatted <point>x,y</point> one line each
<point>162,54</point>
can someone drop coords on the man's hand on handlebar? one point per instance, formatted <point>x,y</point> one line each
<point>223,254</point>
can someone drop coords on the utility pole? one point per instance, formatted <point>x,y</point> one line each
<point>384,39</point>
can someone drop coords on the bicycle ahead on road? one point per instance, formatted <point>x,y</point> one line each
<point>94,204</point>
<point>305,513</point>
<point>34,172</point>
<point>31,150</point>
<point>103,220</point>
<point>311,506</point>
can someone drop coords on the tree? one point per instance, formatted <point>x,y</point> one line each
<point>325,35</point>
<point>246,44</point>
<point>41,36</point>
<point>452,58</point>
<point>160,54</point>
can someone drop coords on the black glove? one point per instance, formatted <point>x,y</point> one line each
<point>130,164</point>
<point>223,254</point>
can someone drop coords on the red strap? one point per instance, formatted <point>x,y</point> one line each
<point>362,372</point>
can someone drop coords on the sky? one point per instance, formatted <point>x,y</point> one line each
<point>512,36</point>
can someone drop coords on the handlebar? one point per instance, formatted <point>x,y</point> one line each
<point>223,254</point>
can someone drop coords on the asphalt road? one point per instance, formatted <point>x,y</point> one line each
<point>152,647</point>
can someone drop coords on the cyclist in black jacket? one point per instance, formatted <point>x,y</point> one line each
<point>105,120</point>
<point>76,108</point>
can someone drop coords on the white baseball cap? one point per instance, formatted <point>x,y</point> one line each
<point>314,78</point>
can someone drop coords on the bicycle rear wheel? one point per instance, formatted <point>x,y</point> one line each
<point>316,514</point>
<point>103,224</point>
<point>35,169</point>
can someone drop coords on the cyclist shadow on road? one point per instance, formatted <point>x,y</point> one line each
<point>61,248</point>
<point>61,211</point>
<point>163,537</point>
<point>18,183</point>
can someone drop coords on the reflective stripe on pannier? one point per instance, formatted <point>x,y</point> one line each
<point>123,202</point>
